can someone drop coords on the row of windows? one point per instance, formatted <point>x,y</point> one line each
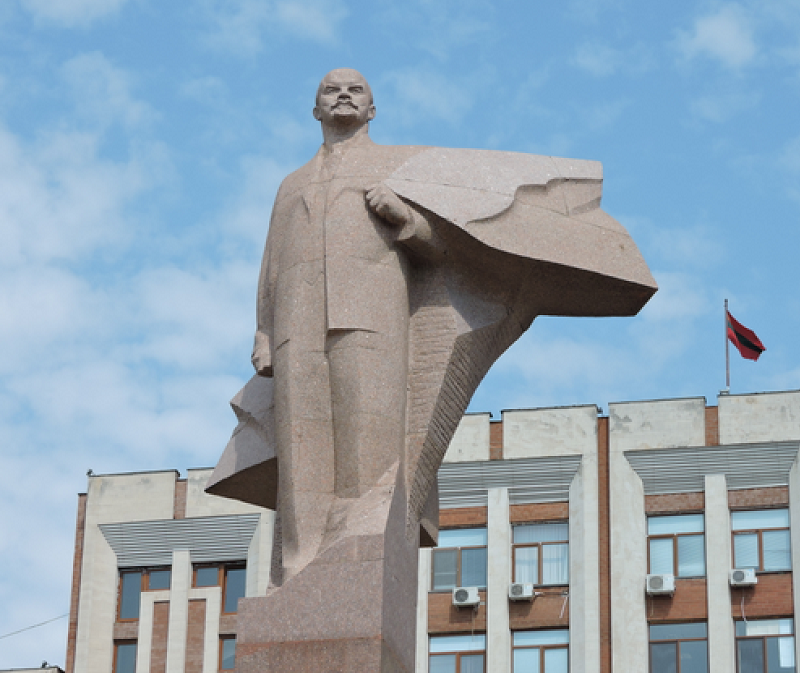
<point>761,541</point>
<point>762,646</point>
<point>540,556</point>
<point>676,546</point>
<point>125,655</point>
<point>231,577</point>
<point>543,651</point>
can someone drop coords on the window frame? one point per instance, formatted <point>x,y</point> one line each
<point>541,648</point>
<point>759,533</point>
<point>222,568</point>
<point>458,551</point>
<point>144,585</point>
<point>117,644</point>
<point>222,639</point>
<point>676,641</point>
<point>762,637</point>
<point>457,653</point>
<point>674,537</point>
<point>540,555</point>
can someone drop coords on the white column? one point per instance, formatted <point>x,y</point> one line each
<point>794,521</point>
<point>180,583</point>
<point>144,643</point>
<point>718,563</point>
<point>498,635</point>
<point>629,638</point>
<point>584,569</point>
<point>259,555</point>
<point>213,599</point>
<point>423,584</point>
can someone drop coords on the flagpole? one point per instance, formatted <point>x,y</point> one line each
<point>727,353</point>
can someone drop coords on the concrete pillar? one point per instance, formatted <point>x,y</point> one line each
<point>794,520</point>
<point>718,561</point>
<point>423,583</point>
<point>181,583</point>
<point>144,642</point>
<point>258,556</point>
<point>498,635</point>
<point>584,569</point>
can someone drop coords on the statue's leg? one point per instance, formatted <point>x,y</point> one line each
<point>304,439</point>
<point>368,373</point>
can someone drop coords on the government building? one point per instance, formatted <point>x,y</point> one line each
<point>654,537</point>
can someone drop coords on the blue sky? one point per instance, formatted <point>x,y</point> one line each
<point>142,142</point>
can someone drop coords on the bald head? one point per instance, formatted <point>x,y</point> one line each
<point>344,100</point>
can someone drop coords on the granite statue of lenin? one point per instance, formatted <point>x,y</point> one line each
<point>393,277</point>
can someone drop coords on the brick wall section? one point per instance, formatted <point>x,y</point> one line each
<point>688,604</point>
<point>126,630</point>
<point>496,440</point>
<point>180,499</point>
<point>771,597</point>
<point>227,624</point>
<point>194,636</point>
<point>668,503</point>
<point>775,496</point>
<point>604,547</point>
<point>462,517</point>
<point>158,646</point>
<point>542,511</point>
<point>77,562</point>
<point>444,617</point>
<point>547,611</point>
<point>712,426</point>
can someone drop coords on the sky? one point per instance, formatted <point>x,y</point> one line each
<point>142,143</point>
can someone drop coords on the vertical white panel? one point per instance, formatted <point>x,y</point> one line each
<point>144,643</point>
<point>794,522</point>
<point>718,563</point>
<point>179,611</point>
<point>259,556</point>
<point>584,571</point>
<point>423,582</point>
<point>498,635</point>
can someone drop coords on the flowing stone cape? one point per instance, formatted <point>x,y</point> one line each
<point>516,236</point>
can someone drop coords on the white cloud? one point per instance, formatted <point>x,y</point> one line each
<point>71,13</point>
<point>242,26</point>
<point>726,36</point>
<point>598,59</point>
<point>102,92</point>
<point>720,107</point>
<point>426,93</point>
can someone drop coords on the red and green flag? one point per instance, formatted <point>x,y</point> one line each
<point>745,340</point>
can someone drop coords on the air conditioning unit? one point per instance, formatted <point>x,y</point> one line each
<point>743,577</point>
<point>466,596</point>
<point>660,585</point>
<point>520,592</point>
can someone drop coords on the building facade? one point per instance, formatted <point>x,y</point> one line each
<point>657,538</point>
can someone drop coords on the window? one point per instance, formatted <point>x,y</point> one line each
<point>227,653</point>
<point>125,656</point>
<point>541,553</point>
<point>765,646</point>
<point>761,539</point>
<point>541,651</point>
<point>679,648</point>
<point>131,585</point>
<point>460,559</point>
<point>677,545</point>
<point>458,654</point>
<point>231,577</point>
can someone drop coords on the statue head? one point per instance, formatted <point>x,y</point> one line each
<point>344,100</point>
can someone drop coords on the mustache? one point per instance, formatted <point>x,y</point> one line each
<point>345,102</point>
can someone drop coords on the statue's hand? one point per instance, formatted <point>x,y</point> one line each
<point>386,204</point>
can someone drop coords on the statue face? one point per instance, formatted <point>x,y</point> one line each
<point>344,99</point>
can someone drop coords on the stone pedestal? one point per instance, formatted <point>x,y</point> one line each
<point>353,610</point>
